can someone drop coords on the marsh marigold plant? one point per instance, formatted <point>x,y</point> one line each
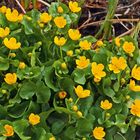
<point>58,84</point>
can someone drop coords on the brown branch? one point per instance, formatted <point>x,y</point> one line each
<point>18,3</point>
<point>44,2</point>
<point>97,23</point>
<point>127,32</point>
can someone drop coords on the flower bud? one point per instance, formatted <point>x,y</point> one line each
<point>60,9</point>
<point>69,53</point>
<point>63,65</point>
<point>79,113</point>
<point>4,91</point>
<point>22,65</point>
<point>74,108</point>
<point>128,71</point>
<point>52,138</point>
<point>99,43</point>
<point>70,100</point>
<point>12,55</point>
<point>122,81</point>
<point>62,94</point>
<point>30,54</point>
<point>96,80</point>
<point>127,97</point>
<point>108,115</point>
<point>77,51</point>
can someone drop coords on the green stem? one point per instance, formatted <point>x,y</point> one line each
<point>61,54</point>
<point>77,101</point>
<point>136,31</point>
<point>106,26</point>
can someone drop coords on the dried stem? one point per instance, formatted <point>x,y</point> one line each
<point>97,23</point>
<point>18,3</point>
<point>43,2</point>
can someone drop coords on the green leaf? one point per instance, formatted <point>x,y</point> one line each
<point>43,93</point>
<point>87,127</point>
<point>27,90</point>
<point>4,64</point>
<point>40,134</point>
<point>67,85</point>
<point>109,92</point>
<point>89,38</point>
<point>119,136</point>
<point>33,56</point>
<point>53,8</point>
<point>3,21</point>
<point>79,76</point>
<point>58,126</point>
<point>85,104</point>
<point>19,128</point>
<point>48,76</point>
<point>3,112</point>
<point>18,110</point>
<point>116,86</point>
<point>27,2</point>
<point>27,26</point>
<point>120,118</point>
<point>120,122</point>
<point>69,133</point>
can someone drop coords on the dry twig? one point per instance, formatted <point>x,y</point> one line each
<point>44,2</point>
<point>97,23</point>
<point>18,3</point>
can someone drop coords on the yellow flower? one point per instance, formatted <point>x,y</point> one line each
<point>10,78</point>
<point>99,43</point>
<point>13,16</point>
<point>82,62</point>
<point>9,130</point>
<point>117,64</point>
<point>85,45</point>
<point>60,9</point>
<point>60,22</point>
<point>106,105</point>
<point>69,53</point>
<point>128,47</point>
<point>59,41</point>
<point>74,34</point>
<point>4,32</point>
<point>99,133</point>
<point>45,17</point>
<point>82,93</point>
<point>62,94</point>
<point>97,71</point>
<point>136,72</point>
<point>133,87</point>
<point>22,65</point>
<point>34,119</point>
<point>74,7</point>
<point>12,43</point>
<point>117,41</point>
<point>135,108</point>
<point>3,9</point>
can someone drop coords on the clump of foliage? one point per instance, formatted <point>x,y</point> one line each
<point>58,84</point>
